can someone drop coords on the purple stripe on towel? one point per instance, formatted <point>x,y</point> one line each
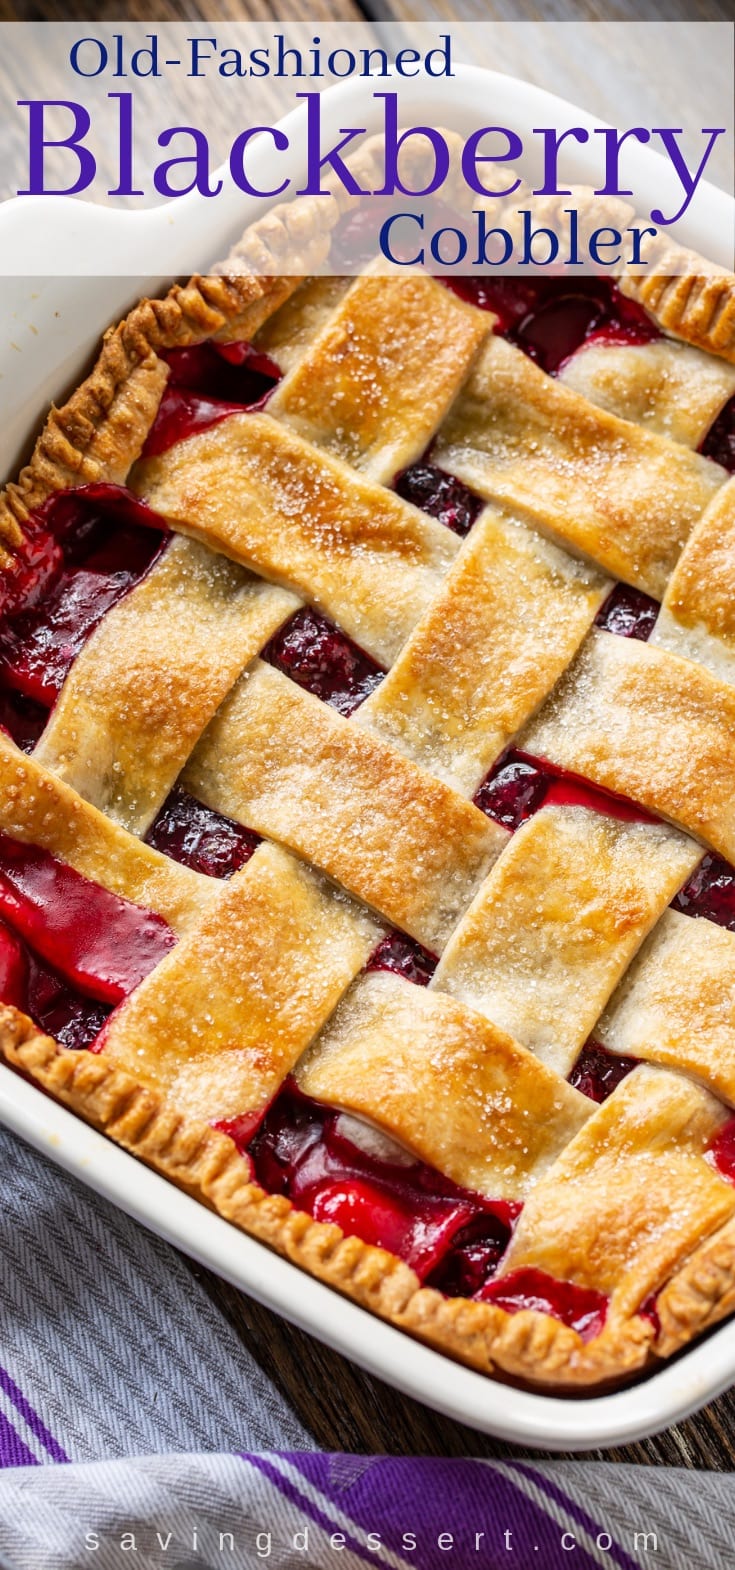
<point>32,1419</point>
<point>13,1452</point>
<point>431,1497</point>
<point>320,1517</point>
<point>618,1555</point>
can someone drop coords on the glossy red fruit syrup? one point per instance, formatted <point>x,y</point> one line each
<point>628,613</point>
<point>583,1309</point>
<point>719,443</point>
<point>311,651</point>
<point>722,1151</point>
<point>597,1072</point>
<point>69,949</point>
<point>550,318</point>
<point>440,495</point>
<point>35,988</point>
<point>87,549</point>
<point>101,944</point>
<point>206,384</point>
<point>709,892</point>
<point>200,838</point>
<point>404,957</point>
<point>518,785</point>
<point>338,1169</point>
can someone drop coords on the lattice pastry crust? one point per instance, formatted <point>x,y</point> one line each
<point>545,937</point>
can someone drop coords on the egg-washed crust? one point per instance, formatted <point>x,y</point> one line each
<point>688,299</point>
<point>529,1345</point>
<point>100,431</point>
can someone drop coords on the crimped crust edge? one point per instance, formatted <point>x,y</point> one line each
<point>528,1345</point>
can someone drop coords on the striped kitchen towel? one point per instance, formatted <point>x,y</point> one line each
<point>181,1454</point>
<point>309,1511</point>
<point>108,1346</point>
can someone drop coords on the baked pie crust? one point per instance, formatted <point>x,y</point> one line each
<point>546,937</point>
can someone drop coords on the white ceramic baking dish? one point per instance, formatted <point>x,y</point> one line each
<point>47,331</point>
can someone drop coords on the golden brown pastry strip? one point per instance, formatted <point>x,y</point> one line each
<point>150,678</point>
<point>664,386</point>
<point>286,765</point>
<point>40,810</point>
<point>503,627</point>
<point>623,497</point>
<point>374,385</point>
<point>675,1005</point>
<point>557,921</point>
<point>697,618</point>
<point>648,725</point>
<point>223,1018</point>
<point>452,1088</point>
<point>289,332</point>
<point>263,496</point>
<point>632,1193</point>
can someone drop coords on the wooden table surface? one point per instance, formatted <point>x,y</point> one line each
<point>344,1408</point>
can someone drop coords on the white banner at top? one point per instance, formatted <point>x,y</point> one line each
<point>146,150</point>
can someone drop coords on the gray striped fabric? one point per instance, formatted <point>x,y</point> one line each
<point>113,1359</point>
<point>109,1339</point>
<point>206,1512</point>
